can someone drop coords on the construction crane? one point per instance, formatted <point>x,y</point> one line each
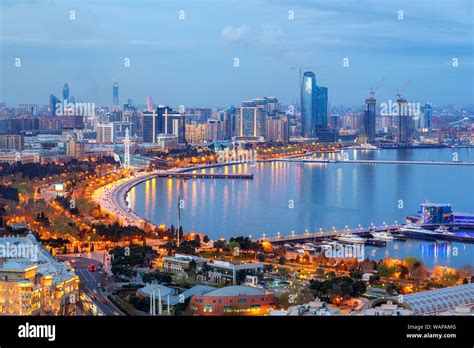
<point>373,90</point>
<point>399,92</point>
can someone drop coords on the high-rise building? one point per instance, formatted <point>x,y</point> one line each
<point>368,121</point>
<point>53,104</point>
<point>403,122</point>
<point>227,118</point>
<point>425,118</point>
<point>75,148</point>
<point>308,104</point>
<point>250,120</point>
<point>11,142</point>
<point>163,121</point>
<point>115,93</point>
<point>66,92</point>
<point>277,128</point>
<point>321,108</point>
<point>105,133</point>
<point>196,133</point>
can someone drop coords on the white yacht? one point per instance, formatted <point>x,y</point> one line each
<point>411,227</point>
<point>382,235</point>
<point>350,238</point>
<point>443,230</point>
<point>365,146</point>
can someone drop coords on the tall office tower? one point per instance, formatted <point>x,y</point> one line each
<point>115,92</point>
<point>368,121</point>
<point>196,133</point>
<point>425,118</point>
<point>250,120</point>
<point>321,108</point>
<point>105,133</point>
<point>277,128</point>
<point>403,122</point>
<point>228,117</point>
<point>149,126</point>
<point>163,121</point>
<point>54,102</point>
<point>272,105</point>
<point>66,92</point>
<point>308,104</point>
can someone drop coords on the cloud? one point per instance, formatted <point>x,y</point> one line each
<point>270,34</point>
<point>234,34</point>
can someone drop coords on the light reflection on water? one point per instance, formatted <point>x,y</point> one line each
<point>285,197</point>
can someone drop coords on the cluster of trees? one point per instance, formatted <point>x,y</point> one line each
<point>115,232</point>
<point>157,276</point>
<point>337,287</point>
<point>125,258</point>
<point>9,193</point>
<point>43,170</point>
<point>65,203</point>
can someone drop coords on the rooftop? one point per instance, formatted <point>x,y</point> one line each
<point>237,290</point>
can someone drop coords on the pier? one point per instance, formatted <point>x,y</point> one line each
<point>188,175</point>
<point>366,232</point>
<point>308,237</point>
<point>432,163</point>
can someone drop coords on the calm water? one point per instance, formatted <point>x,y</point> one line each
<point>285,197</point>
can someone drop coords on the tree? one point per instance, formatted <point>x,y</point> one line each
<point>282,260</point>
<point>449,279</point>
<point>205,239</point>
<point>261,257</point>
<point>385,271</point>
<point>466,271</point>
<point>192,271</point>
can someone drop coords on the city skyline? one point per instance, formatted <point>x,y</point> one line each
<point>173,63</point>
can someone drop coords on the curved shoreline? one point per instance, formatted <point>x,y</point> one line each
<point>113,197</point>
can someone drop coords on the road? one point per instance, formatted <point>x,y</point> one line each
<point>91,283</point>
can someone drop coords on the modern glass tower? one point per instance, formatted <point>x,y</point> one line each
<point>368,124</point>
<point>427,112</point>
<point>403,122</point>
<point>66,92</point>
<point>321,108</point>
<point>308,104</point>
<point>53,102</point>
<point>115,92</point>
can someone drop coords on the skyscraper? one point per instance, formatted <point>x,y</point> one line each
<point>425,119</point>
<point>250,120</point>
<point>115,92</point>
<point>403,121</point>
<point>321,122</point>
<point>66,92</point>
<point>163,121</point>
<point>368,122</point>
<point>53,102</point>
<point>308,104</point>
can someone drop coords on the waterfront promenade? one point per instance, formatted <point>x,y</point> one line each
<point>433,163</point>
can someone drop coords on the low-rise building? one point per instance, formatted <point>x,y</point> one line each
<point>32,281</point>
<point>179,263</point>
<point>233,300</point>
<point>227,272</point>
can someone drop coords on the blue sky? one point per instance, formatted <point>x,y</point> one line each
<point>191,62</point>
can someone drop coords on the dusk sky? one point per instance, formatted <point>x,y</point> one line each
<point>191,61</point>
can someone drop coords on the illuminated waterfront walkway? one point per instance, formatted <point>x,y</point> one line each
<point>433,163</point>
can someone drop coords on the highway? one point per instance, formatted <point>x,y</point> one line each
<point>91,283</point>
